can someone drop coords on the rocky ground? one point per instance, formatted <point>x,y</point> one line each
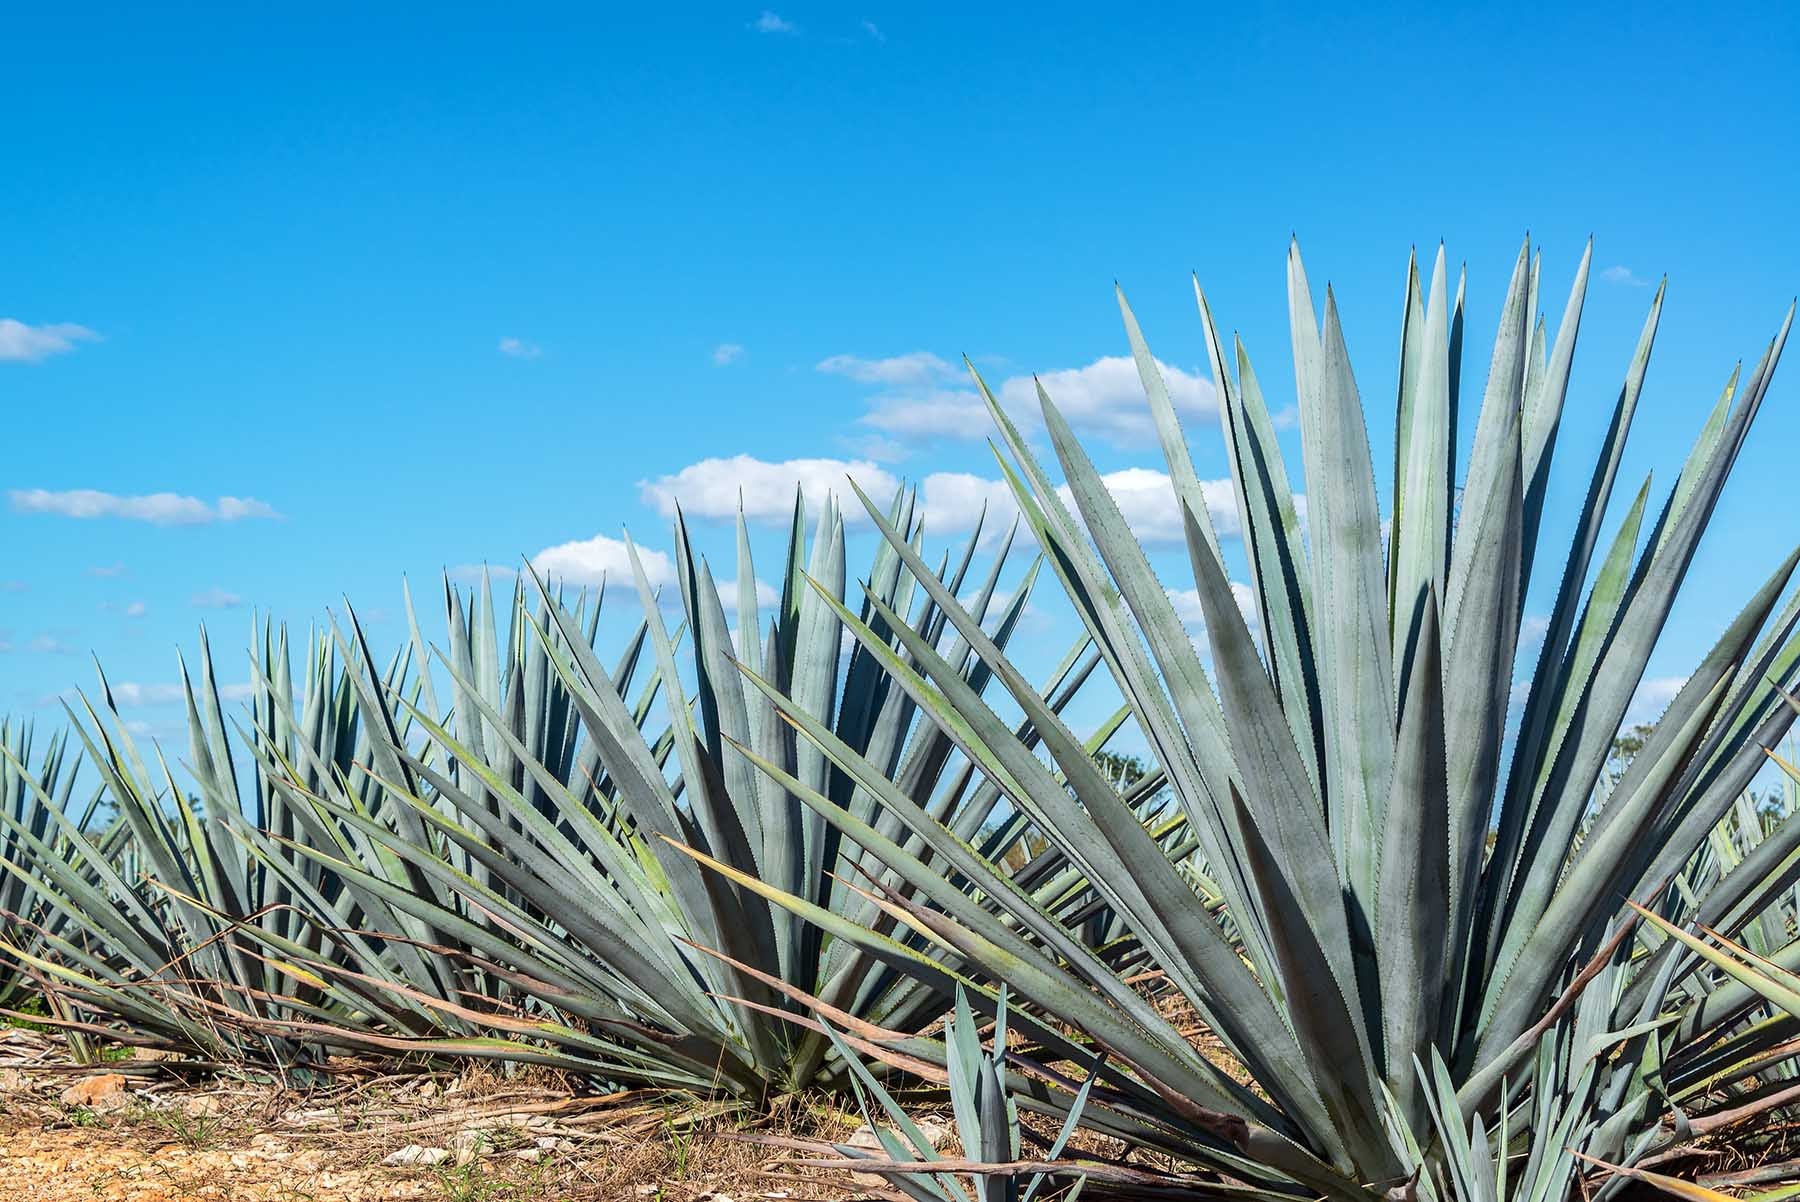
<point>134,1130</point>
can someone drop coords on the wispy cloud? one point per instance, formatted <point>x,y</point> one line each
<point>876,446</point>
<point>1651,699</point>
<point>215,598</point>
<point>590,561</point>
<point>914,367</point>
<point>728,595</point>
<point>20,343</point>
<point>107,571</point>
<point>475,573</point>
<point>131,609</point>
<point>1186,602</point>
<point>132,693</point>
<point>772,22</point>
<point>1531,634</point>
<point>48,644</point>
<point>874,31</point>
<point>1106,397</point>
<point>1625,276</point>
<point>1145,499</point>
<point>518,348</point>
<point>727,352</point>
<point>713,489</point>
<point>161,509</point>
<point>918,397</point>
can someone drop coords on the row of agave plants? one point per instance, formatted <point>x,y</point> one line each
<point>755,852</point>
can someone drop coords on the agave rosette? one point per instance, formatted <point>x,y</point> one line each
<point>1342,781</point>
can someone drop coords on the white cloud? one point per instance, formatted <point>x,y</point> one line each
<point>874,31</point>
<point>131,693</point>
<point>728,595</point>
<point>215,598</point>
<point>955,501</point>
<point>232,509</point>
<point>589,562</point>
<point>1104,398</point>
<point>107,571</point>
<point>712,488</point>
<point>593,560</point>
<point>914,367</point>
<point>47,644</point>
<point>930,413</point>
<point>162,508</point>
<point>518,348</point>
<point>475,573</point>
<point>20,343</point>
<point>1188,608</point>
<point>878,447</point>
<point>1107,397</point>
<point>952,501</point>
<point>1146,500</point>
<point>1531,633</point>
<point>131,609</point>
<point>1625,276</point>
<point>769,22</point>
<point>1651,699</point>
<point>727,352</point>
<point>1516,697</point>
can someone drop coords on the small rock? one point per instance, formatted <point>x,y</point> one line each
<point>203,1106</point>
<point>13,1081</point>
<point>103,1091</point>
<point>936,1134</point>
<point>529,1155</point>
<point>648,1191</point>
<point>416,1154</point>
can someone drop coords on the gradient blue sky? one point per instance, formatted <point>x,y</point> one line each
<point>454,284</point>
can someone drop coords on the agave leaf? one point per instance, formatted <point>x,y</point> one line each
<point>1349,583</point>
<point>1168,427</point>
<point>1275,546</point>
<point>1287,829</point>
<point>1413,896</point>
<point>1543,409</point>
<point>1423,464</point>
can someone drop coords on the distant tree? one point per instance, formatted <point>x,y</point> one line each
<point>1625,746</point>
<point>1121,771</point>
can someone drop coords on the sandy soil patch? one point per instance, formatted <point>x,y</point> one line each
<point>136,1131</point>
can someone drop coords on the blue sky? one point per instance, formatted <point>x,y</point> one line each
<point>379,295</point>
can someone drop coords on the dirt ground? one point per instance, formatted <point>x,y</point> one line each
<point>131,1130</point>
